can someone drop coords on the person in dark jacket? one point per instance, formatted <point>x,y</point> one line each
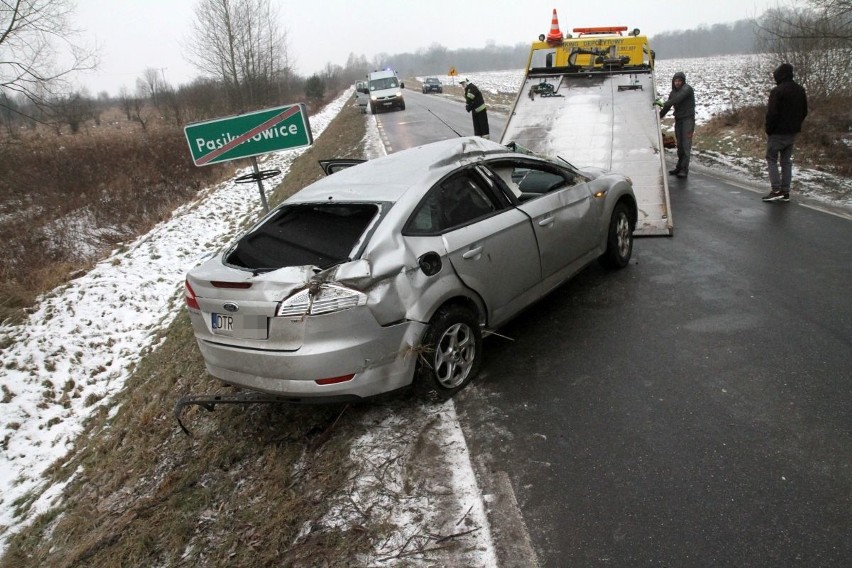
<point>785,112</point>
<point>682,98</point>
<point>475,103</point>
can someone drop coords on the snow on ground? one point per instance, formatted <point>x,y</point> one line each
<point>80,344</point>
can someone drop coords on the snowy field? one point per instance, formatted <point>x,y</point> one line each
<point>720,83</point>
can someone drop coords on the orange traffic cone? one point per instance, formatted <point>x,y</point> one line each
<point>555,35</point>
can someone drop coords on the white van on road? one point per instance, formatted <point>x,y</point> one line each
<point>385,91</point>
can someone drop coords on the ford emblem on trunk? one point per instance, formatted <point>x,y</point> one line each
<point>231,307</point>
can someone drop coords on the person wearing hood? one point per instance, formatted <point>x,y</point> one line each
<point>785,112</point>
<point>682,98</point>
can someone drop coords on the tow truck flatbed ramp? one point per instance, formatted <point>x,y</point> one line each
<point>606,121</point>
<point>589,99</point>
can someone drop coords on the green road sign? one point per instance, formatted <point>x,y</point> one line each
<point>251,134</point>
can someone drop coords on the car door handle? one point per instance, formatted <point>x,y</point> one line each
<point>472,252</point>
<point>545,222</point>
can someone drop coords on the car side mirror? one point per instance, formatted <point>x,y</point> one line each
<point>401,85</point>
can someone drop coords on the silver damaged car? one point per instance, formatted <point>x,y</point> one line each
<point>388,273</point>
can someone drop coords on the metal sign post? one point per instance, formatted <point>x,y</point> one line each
<point>258,175</point>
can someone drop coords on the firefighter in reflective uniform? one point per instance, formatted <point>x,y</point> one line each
<point>475,104</point>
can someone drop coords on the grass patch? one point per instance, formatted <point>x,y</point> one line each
<point>825,143</point>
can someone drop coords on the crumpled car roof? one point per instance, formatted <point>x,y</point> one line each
<point>387,179</point>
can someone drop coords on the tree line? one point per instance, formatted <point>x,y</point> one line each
<point>245,63</point>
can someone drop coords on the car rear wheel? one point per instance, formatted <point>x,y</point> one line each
<point>619,244</point>
<point>451,353</point>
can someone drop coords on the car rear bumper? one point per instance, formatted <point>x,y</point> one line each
<point>381,361</point>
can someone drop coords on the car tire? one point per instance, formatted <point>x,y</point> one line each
<point>450,354</point>
<point>619,242</point>
<point>372,108</point>
<point>402,106</point>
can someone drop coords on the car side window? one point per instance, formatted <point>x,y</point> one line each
<point>454,202</point>
<point>526,180</point>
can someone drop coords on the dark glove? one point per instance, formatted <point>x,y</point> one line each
<point>467,107</point>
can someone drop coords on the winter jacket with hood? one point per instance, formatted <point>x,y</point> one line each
<point>788,103</point>
<point>683,99</point>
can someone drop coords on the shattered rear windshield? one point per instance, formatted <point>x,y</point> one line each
<point>315,234</point>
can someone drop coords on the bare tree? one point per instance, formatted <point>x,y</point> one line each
<point>816,40</point>
<point>126,102</point>
<point>137,105</point>
<point>240,43</point>
<point>34,35</point>
<point>73,109</point>
<point>829,20</point>
<point>151,84</point>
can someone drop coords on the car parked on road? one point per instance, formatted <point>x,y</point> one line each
<point>432,85</point>
<point>388,273</point>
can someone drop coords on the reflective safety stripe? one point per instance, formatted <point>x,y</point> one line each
<point>480,108</point>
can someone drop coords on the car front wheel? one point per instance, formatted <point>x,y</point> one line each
<point>451,353</point>
<point>619,243</point>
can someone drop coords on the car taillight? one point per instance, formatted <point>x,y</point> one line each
<point>329,298</point>
<point>335,380</point>
<point>189,294</point>
<point>233,285</point>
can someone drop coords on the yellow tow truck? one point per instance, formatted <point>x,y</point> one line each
<point>589,98</point>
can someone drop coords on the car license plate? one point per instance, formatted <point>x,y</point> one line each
<point>245,327</point>
<point>222,322</point>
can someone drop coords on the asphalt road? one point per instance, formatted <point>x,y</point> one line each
<point>693,409</point>
<point>429,118</point>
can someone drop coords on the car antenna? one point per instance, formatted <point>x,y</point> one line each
<point>445,124</point>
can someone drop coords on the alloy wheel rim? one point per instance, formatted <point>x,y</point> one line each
<point>622,231</point>
<point>454,355</point>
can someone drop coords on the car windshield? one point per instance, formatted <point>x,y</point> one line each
<point>312,234</point>
<point>432,81</point>
<point>386,83</point>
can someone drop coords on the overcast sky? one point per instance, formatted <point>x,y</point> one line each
<point>133,35</point>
